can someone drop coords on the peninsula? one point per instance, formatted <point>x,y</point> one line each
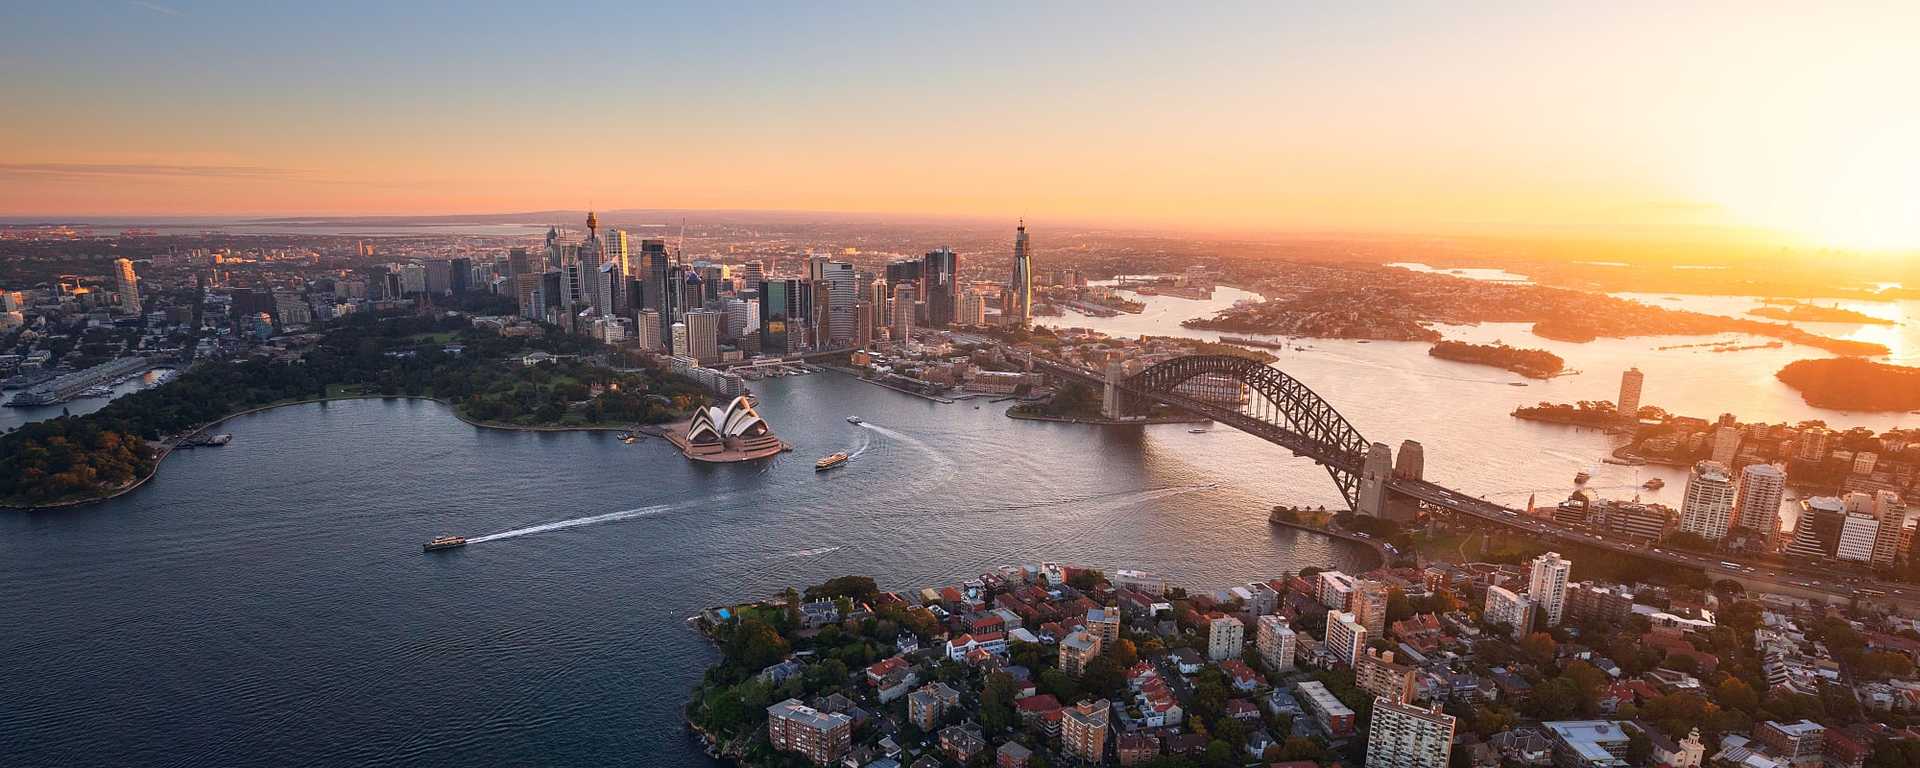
<point>1531,363</point>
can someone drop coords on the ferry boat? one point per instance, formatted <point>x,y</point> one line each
<point>444,542</point>
<point>853,420</point>
<point>830,462</point>
<point>1654,484</point>
<point>1582,478</point>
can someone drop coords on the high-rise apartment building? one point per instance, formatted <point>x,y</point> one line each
<point>940,272</point>
<point>1726,444</point>
<point>1275,641</point>
<point>1226,636</point>
<point>1345,637</point>
<point>1629,403</point>
<point>1368,603</point>
<point>1505,607</point>
<point>823,737</point>
<point>1083,730</point>
<point>1019,309</point>
<point>1892,516</point>
<point>127,283</point>
<point>1708,505</point>
<point>1376,673</point>
<point>1762,487</point>
<point>1547,585</point>
<point>1406,736</point>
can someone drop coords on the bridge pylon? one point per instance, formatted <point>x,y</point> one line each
<point>1110,405</point>
<point>1375,474</point>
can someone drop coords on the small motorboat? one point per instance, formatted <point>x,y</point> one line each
<point>853,420</point>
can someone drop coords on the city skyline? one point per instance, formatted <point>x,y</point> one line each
<point>1614,122</point>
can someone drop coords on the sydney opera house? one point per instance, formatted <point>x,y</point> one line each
<point>733,433</point>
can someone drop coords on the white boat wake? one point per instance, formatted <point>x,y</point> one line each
<point>607,517</point>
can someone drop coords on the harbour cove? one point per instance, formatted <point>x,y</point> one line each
<point>557,637</point>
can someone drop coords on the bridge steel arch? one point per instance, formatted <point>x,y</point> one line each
<point>1284,411</point>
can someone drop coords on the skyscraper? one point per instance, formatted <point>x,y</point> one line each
<point>662,294</point>
<point>902,313</point>
<point>460,274</point>
<point>1629,402</point>
<point>1708,505</point>
<point>941,274</point>
<point>842,297</point>
<point>1408,736</point>
<point>703,336</point>
<point>614,244</point>
<point>1020,292</point>
<point>128,285</point>
<point>1762,486</point>
<point>1547,586</point>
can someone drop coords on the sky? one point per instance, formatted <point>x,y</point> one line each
<point>1790,122</point>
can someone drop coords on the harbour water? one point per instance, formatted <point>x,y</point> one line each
<point>267,603</point>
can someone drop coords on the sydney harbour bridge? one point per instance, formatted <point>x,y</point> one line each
<point>1283,411</point>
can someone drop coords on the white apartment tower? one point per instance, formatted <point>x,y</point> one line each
<point>1408,736</point>
<point>1225,637</point>
<point>1709,501</point>
<point>1345,637</point>
<point>1762,487</point>
<point>1547,587</point>
<point>1275,642</point>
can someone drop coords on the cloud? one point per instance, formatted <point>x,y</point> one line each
<point>156,7</point>
<point>98,170</point>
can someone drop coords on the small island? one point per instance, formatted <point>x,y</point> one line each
<point>1531,363</point>
<point>1854,384</point>
<point>1800,311</point>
